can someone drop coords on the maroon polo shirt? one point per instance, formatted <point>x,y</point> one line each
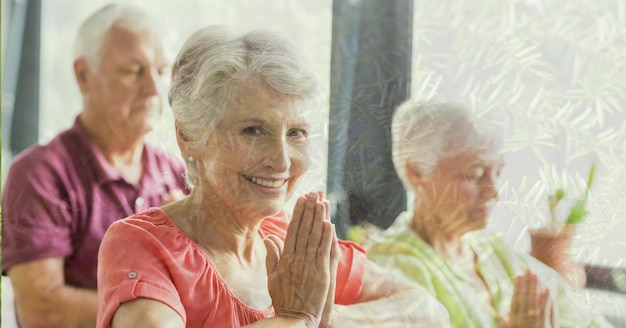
<point>59,200</point>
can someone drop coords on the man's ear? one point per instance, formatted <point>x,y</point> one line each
<point>82,72</point>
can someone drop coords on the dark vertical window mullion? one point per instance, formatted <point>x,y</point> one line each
<point>370,77</point>
<point>25,120</point>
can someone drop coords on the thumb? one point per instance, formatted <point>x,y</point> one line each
<point>273,253</point>
<point>503,321</point>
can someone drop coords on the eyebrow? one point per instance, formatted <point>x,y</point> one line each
<point>261,122</point>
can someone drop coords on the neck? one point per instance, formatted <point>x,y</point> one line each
<point>123,155</point>
<point>219,230</point>
<point>119,150</point>
<point>427,225</point>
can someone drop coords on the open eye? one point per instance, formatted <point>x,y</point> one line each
<point>298,133</point>
<point>253,131</point>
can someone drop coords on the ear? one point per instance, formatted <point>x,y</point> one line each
<point>182,140</point>
<point>82,72</point>
<point>414,176</point>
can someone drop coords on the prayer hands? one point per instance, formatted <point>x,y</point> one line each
<point>302,273</point>
<point>531,305</point>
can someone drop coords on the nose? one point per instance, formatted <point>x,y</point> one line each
<point>152,83</point>
<point>488,187</point>
<point>277,155</point>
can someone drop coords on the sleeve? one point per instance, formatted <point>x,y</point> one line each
<point>351,267</point>
<point>36,213</point>
<point>131,265</point>
<point>350,273</point>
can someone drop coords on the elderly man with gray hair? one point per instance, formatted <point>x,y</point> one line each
<point>61,197</point>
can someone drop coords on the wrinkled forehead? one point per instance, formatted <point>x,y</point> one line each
<point>120,39</point>
<point>259,101</point>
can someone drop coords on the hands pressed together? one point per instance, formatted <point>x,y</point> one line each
<point>302,272</point>
<point>531,305</point>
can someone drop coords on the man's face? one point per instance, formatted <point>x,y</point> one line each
<point>125,92</point>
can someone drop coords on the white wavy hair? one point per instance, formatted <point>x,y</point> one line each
<point>425,133</point>
<point>94,29</point>
<point>214,63</point>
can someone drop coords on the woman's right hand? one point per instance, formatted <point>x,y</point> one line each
<point>531,305</point>
<point>300,275</point>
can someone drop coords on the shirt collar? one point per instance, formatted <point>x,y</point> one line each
<point>93,157</point>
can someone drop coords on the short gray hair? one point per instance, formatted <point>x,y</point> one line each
<point>425,133</point>
<point>93,31</point>
<point>214,63</point>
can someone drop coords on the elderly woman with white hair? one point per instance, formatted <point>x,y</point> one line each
<point>216,258</point>
<point>449,161</point>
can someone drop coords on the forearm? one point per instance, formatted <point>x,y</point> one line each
<point>63,306</point>
<point>280,322</point>
<point>407,308</point>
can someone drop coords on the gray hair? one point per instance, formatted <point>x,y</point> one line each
<point>93,31</point>
<point>213,64</point>
<point>425,133</point>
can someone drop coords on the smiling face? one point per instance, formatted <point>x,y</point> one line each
<point>461,191</point>
<point>124,93</point>
<point>257,153</point>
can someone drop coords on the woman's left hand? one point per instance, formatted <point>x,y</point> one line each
<point>334,256</point>
<point>300,276</point>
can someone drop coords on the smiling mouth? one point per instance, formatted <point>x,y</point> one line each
<point>266,183</point>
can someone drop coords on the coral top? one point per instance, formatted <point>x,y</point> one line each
<point>147,256</point>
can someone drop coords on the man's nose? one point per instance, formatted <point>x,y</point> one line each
<point>152,83</point>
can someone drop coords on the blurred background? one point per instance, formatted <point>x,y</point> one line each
<point>555,68</point>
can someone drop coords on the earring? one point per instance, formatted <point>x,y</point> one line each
<point>190,159</point>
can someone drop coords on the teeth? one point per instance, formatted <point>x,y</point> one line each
<point>265,183</point>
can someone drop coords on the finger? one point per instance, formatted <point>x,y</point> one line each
<point>335,254</point>
<point>273,254</point>
<point>294,226</point>
<point>334,261</point>
<point>317,230</point>
<point>327,210</point>
<point>308,217</point>
<point>517,289</point>
<point>531,293</point>
<point>278,242</point>
<point>323,252</point>
<point>320,195</point>
<point>551,309</point>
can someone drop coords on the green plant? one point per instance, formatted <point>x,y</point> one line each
<point>578,211</point>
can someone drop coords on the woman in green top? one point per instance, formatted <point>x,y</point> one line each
<point>449,162</point>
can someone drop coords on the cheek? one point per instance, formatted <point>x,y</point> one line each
<point>467,192</point>
<point>301,159</point>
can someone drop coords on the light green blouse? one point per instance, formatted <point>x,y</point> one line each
<point>400,249</point>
